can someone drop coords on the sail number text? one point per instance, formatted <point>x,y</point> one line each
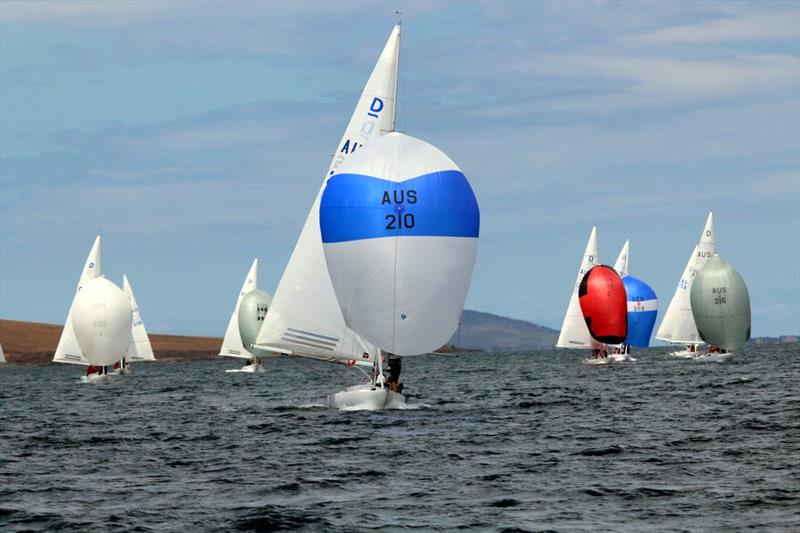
<point>720,295</point>
<point>399,198</point>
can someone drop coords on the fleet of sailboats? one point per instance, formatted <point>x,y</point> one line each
<point>381,270</point>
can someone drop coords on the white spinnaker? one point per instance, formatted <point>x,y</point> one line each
<point>102,318</point>
<point>232,343</point>
<point>68,350</point>
<point>304,318</point>
<point>621,264</point>
<point>401,288</point>
<point>139,348</point>
<point>574,333</point>
<point>678,325</point>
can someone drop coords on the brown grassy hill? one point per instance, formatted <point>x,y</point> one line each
<point>35,343</point>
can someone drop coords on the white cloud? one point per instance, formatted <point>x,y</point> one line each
<point>771,26</point>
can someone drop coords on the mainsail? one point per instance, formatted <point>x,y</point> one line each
<point>621,264</point>
<point>304,318</point>
<point>139,348</point>
<point>574,333</point>
<point>678,324</point>
<point>68,350</point>
<point>400,227</point>
<point>232,343</point>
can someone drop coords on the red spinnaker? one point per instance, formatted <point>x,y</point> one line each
<point>604,305</point>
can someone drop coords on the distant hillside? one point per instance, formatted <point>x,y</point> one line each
<point>494,333</point>
<point>35,343</point>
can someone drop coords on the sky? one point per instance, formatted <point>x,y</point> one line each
<point>194,136</point>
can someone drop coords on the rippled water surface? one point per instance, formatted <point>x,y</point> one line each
<point>534,441</point>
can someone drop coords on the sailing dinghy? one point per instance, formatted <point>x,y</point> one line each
<point>642,309</point>
<point>574,333</point>
<point>721,309</point>
<point>678,324</point>
<point>400,225</point>
<point>601,295</point>
<point>245,322</point>
<point>304,318</point>
<point>98,328</point>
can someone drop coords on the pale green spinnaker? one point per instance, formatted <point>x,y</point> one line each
<point>721,305</point>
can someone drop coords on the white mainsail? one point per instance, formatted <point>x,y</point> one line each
<point>2,355</point>
<point>232,343</point>
<point>678,324</point>
<point>621,264</point>
<point>304,318</point>
<point>68,350</point>
<point>139,348</point>
<point>574,333</point>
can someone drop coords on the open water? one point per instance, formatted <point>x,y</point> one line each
<point>533,441</point>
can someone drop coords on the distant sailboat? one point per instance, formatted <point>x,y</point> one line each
<point>139,349</point>
<point>305,319</point>
<point>678,324</point>
<point>2,355</point>
<point>601,295</point>
<point>574,333</point>
<point>252,305</point>
<point>642,308</point>
<point>400,226</point>
<point>98,329</point>
<point>721,307</point>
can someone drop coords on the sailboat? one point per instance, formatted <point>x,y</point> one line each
<point>678,324</point>
<point>304,318</point>
<point>139,350</point>
<point>721,308</point>
<point>601,295</point>
<point>574,332</point>
<point>99,325</point>
<point>252,305</point>
<point>642,309</point>
<point>400,226</point>
<point>2,355</point>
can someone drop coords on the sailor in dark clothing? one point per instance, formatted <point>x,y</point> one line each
<point>393,381</point>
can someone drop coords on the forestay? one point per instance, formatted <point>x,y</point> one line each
<point>139,348</point>
<point>400,226</point>
<point>304,318</point>
<point>232,343</point>
<point>574,333</point>
<point>68,350</point>
<point>678,324</point>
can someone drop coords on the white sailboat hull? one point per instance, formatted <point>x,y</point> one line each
<point>366,397</point>
<point>712,357</point>
<point>684,354</point>
<point>95,378</point>
<point>248,369</point>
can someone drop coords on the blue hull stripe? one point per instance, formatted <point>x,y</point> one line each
<point>356,207</point>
